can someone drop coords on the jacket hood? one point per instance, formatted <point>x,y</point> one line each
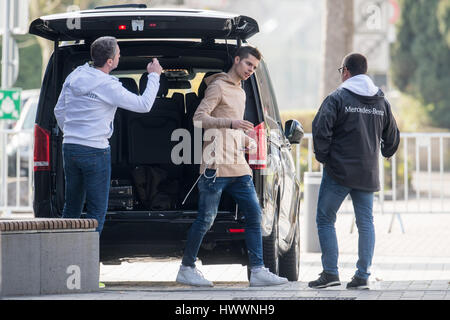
<point>361,85</point>
<point>223,76</point>
<point>85,79</point>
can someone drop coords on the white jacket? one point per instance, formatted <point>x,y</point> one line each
<point>88,102</point>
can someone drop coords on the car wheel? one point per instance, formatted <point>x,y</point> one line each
<point>270,247</point>
<point>290,261</point>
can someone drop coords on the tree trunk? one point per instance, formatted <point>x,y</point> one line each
<point>338,41</point>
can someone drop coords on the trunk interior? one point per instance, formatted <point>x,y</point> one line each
<point>143,176</point>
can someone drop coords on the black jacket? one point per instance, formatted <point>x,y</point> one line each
<point>348,131</point>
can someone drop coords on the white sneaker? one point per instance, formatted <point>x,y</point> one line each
<point>263,277</point>
<point>192,277</point>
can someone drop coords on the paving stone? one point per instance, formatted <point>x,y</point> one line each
<point>410,294</point>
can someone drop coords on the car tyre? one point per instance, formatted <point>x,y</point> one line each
<point>290,261</point>
<point>271,253</point>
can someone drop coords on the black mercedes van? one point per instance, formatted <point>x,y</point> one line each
<point>148,212</point>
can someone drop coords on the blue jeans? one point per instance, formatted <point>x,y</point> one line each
<point>243,192</point>
<point>331,196</point>
<point>88,176</point>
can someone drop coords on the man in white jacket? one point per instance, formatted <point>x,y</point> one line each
<point>85,113</point>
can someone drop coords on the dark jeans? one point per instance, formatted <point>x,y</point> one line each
<point>88,174</point>
<point>210,191</point>
<point>331,196</point>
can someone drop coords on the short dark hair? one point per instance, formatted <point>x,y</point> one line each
<point>244,51</point>
<point>102,49</point>
<point>355,63</point>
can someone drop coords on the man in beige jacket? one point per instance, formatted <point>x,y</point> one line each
<point>224,168</point>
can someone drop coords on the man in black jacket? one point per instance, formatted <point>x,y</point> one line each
<point>351,126</point>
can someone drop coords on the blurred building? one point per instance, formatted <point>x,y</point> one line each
<point>292,35</point>
<point>290,41</point>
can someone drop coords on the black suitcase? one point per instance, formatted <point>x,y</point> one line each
<point>121,195</point>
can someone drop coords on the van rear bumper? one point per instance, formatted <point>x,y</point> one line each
<point>163,234</point>
<point>166,226</point>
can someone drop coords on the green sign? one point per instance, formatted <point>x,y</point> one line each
<point>10,104</point>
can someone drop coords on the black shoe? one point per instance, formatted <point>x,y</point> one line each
<point>358,284</point>
<point>325,280</point>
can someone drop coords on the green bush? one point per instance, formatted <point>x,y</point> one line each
<point>30,63</point>
<point>421,55</point>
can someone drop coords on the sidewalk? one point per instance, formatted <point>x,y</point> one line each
<point>413,265</point>
<point>410,266</point>
<point>421,253</point>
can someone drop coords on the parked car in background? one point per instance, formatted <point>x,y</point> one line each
<point>21,139</point>
<point>148,213</point>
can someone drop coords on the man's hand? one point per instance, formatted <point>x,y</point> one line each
<point>154,66</point>
<point>241,124</point>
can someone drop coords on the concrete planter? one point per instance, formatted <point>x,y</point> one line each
<point>48,256</point>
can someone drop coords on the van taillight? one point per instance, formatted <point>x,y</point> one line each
<point>41,149</point>
<point>258,159</point>
<point>236,230</point>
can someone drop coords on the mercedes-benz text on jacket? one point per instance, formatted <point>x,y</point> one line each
<point>351,126</point>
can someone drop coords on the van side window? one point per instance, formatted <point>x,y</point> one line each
<point>267,94</point>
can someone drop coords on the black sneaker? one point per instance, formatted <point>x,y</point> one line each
<point>358,284</point>
<point>325,280</point>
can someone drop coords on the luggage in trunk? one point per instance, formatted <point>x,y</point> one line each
<point>121,196</point>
